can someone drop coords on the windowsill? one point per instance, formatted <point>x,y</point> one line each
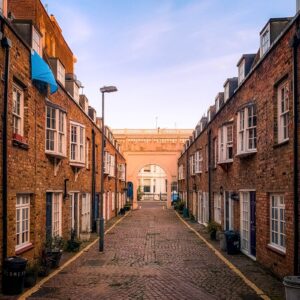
<point>245,154</point>
<point>23,249</point>
<point>20,144</point>
<point>285,142</point>
<point>228,161</point>
<point>77,164</point>
<point>276,250</point>
<point>54,154</point>
<point>198,173</point>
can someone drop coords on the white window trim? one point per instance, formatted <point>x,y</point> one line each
<point>77,162</point>
<point>180,172</point>
<point>87,149</point>
<point>282,115</point>
<point>243,135</point>
<point>112,171</point>
<point>224,145</point>
<point>226,92</point>
<point>198,162</point>
<point>21,207</point>
<point>217,208</point>
<point>271,244</point>
<point>241,72</point>
<point>19,90</point>
<point>39,43</point>
<point>106,162</point>
<point>59,195</point>
<point>265,49</point>
<point>192,165</point>
<point>85,212</point>
<point>61,72</point>
<point>57,133</point>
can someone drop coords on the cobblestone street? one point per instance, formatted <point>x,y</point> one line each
<point>151,254</point>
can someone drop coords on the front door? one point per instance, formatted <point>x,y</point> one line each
<point>253,224</point>
<point>248,228</point>
<point>228,215</point>
<point>74,207</point>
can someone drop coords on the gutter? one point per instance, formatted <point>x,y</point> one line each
<point>6,44</point>
<point>295,43</point>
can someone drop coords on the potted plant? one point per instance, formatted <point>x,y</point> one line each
<point>73,244</point>
<point>212,229</point>
<point>31,274</point>
<point>45,264</point>
<point>54,249</point>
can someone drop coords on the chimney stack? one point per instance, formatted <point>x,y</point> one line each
<point>297,5</point>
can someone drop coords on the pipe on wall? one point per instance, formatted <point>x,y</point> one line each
<point>295,44</point>
<point>6,44</point>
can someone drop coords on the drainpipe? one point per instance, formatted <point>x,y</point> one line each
<point>209,174</point>
<point>93,172</point>
<point>187,182</point>
<point>116,185</point>
<point>295,44</point>
<point>6,44</point>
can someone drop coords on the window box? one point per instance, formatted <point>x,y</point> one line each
<point>20,141</point>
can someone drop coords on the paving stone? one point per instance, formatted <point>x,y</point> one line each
<point>149,255</point>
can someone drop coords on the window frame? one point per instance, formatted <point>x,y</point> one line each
<point>217,208</point>
<point>59,132</point>
<point>23,206</point>
<point>56,230</point>
<point>244,128</point>
<point>265,43</point>
<point>280,206</point>
<point>224,145</point>
<point>198,162</point>
<point>241,72</point>
<point>85,212</point>
<point>79,145</point>
<point>61,72</point>
<point>18,116</point>
<point>36,45</point>
<point>281,115</point>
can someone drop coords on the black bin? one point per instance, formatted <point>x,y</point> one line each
<point>232,242</point>
<point>13,275</point>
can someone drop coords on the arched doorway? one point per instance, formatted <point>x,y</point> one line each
<point>152,183</point>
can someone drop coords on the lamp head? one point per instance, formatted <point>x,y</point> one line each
<point>108,89</point>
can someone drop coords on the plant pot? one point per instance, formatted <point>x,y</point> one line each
<point>30,278</point>
<point>73,246</point>
<point>55,257</point>
<point>213,235</point>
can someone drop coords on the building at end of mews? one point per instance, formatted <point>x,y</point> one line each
<point>240,168</point>
<point>51,145</point>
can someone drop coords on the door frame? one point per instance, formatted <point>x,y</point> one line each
<point>245,251</point>
<point>230,211</point>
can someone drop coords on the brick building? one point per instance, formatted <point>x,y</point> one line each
<point>240,168</point>
<point>51,145</point>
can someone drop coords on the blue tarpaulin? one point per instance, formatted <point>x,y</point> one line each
<point>42,72</point>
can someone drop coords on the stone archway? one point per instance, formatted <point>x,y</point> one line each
<point>160,147</point>
<point>153,184</point>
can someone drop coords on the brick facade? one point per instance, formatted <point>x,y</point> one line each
<point>266,171</point>
<point>30,170</point>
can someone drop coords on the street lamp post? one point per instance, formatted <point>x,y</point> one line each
<point>103,90</point>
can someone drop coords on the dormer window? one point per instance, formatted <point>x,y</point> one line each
<point>36,41</point>
<point>226,92</point>
<point>208,116</point>
<point>217,104</point>
<point>265,41</point>
<point>60,73</point>
<point>241,71</point>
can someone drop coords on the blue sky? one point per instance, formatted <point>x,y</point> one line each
<point>168,58</point>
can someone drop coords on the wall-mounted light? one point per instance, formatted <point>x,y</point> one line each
<point>234,196</point>
<point>66,195</point>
